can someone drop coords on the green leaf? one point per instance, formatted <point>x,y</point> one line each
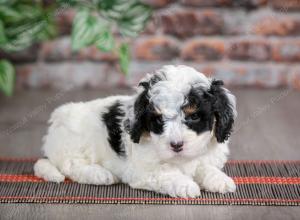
<point>9,14</point>
<point>7,77</point>
<point>124,57</point>
<point>134,19</point>
<point>68,3</point>
<point>48,30</point>
<point>17,44</point>
<point>20,12</point>
<point>130,15</point>
<point>3,38</point>
<point>86,28</point>
<point>7,2</point>
<point>30,11</point>
<point>105,41</point>
<point>23,36</point>
<point>26,23</point>
<point>107,4</point>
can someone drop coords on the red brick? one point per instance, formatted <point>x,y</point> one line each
<point>156,48</point>
<point>56,50</point>
<point>250,4</point>
<point>27,55</point>
<point>202,50</point>
<point>254,50</point>
<point>227,3</point>
<point>61,75</point>
<point>294,80</point>
<point>151,27</point>
<point>277,25</point>
<point>288,51</point>
<point>250,74</point>
<point>285,5</point>
<point>94,54</point>
<point>23,72</point>
<point>184,23</point>
<point>206,3</point>
<point>60,49</point>
<point>207,70</point>
<point>158,3</point>
<point>64,19</point>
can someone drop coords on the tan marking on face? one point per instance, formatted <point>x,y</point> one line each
<point>157,111</point>
<point>145,135</point>
<point>190,109</point>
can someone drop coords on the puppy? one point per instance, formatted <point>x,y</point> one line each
<point>170,137</point>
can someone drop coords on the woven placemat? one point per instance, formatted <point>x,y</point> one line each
<point>258,183</point>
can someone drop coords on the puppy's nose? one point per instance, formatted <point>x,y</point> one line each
<point>177,146</point>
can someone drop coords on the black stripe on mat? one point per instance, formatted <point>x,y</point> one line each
<point>254,194</point>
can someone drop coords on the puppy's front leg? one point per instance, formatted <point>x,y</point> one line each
<point>168,181</point>
<point>214,180</point>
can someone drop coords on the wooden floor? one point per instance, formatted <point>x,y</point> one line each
<point>267,128</point>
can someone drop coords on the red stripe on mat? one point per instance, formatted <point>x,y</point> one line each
<point>73,198</point>
<point>22,178</point>
<point>8,159</point>
<point>237,180</point>
<point>266,180</point>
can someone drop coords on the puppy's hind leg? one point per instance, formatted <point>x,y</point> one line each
<point>80,171</point>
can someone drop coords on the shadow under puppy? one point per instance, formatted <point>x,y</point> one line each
<point>170,137</point>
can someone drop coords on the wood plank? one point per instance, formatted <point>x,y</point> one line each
<point>146,212</point>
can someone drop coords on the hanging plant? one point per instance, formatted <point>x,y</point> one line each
<point>23,23</point>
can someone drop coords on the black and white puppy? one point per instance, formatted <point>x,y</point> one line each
<point>170,137</point>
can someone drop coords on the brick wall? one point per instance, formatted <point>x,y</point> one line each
<point>243,42</point>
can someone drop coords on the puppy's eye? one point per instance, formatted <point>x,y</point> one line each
<point>193,117</point>
<point>158,119</point>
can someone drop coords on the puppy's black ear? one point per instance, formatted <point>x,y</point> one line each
<point>224,110</point>
<point>140,108</point>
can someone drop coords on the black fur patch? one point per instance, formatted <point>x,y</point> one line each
<point>140,107</point>
<point>202,119</point>
<point>153,80</point>
<point>146,119</point>
<point>222,110</point>
<point>153,121</point>
<point>210,105</point>
<point>112,120</point>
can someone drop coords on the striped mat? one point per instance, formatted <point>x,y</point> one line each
<point>258,183</point>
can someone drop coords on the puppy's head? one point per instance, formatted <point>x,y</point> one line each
<point>180,111</point>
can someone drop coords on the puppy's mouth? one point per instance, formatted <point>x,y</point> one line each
<point>177,150</point>
<point>180,153</point>
<point>186,152</point>
<point>179,158</point>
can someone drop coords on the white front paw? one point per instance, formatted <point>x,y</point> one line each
<point>96,175</point>
<point>218,182</point>
<point>184,188</point>
<point>103,178</point>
